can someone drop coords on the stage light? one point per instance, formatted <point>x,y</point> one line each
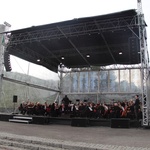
<point>62,57</point>
<point>120,53</point>
<point>38,60</point>
<point>7,24</point>
<point>87,55</point>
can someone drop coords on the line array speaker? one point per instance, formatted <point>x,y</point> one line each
<point>7,61</point>
<point>134,48</point>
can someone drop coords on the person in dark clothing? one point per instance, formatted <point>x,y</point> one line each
<point>53,110</point>
<point>23,108</point>
<point>66,102</point>
<point>136,107</point>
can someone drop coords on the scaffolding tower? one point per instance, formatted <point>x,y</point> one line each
<point>144,64</point>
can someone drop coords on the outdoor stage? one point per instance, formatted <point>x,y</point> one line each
<point>96,56</point>
<point>78,122</point>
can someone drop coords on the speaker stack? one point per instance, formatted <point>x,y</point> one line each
<point>134,48</point>
<point>15,99</point>
<point>7,61</point>
<point>120,123</point>
<point>79,122</point>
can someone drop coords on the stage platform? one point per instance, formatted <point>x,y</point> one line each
<point>66,120</point>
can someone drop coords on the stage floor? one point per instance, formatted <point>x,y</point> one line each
<point>85,122</point>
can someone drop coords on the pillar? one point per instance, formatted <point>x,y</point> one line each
<point>2,29</point>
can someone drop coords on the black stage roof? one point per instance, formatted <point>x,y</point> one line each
<point>82,42</point>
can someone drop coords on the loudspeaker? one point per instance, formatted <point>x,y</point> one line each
<point>79,122</point>
<point>40,120</point>
<point>7,61</point>
<point>120,123</point>
<point>134,48</point>
<point>15,99</point>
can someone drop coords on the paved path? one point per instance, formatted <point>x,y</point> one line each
<point>102,137</point>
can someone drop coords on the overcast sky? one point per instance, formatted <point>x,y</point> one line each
<point>27,13</point>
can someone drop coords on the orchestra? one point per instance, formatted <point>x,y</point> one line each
<point>118,109</point>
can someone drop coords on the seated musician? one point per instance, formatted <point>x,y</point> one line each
<point>97,111</point>
<point>102,111</point>
<point>57,110</point>
<point>80,109</point>
<point>30,108</point>
<point>90,111</point>
<point>47,109</point>
<point>23,108</point>
<point>76,110</point>
<point>62,109</point>
<point>107,110</point>
<point>130,110</point>
<point>72,110</point>
<point>117,110</point>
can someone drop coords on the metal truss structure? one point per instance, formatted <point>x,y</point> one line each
<point>144,56</point>
<point>131,23</point>
<point>87,28</point>
<point>103,68</point>
<point>83,81</point>
<point>104,35</point>
<point>29,84</point>
<point>144,64</point>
